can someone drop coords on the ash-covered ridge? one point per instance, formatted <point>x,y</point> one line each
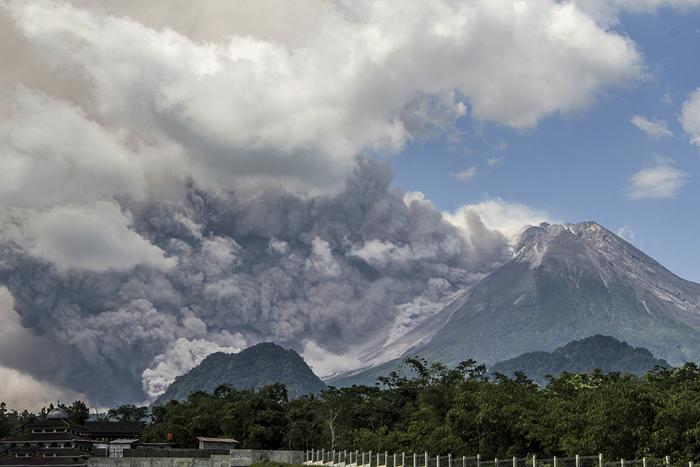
<point>565,282</point>
<point>568,282</point>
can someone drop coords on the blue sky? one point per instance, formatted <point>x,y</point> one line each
<point>577,166</point>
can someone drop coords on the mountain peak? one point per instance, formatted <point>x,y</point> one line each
<point>259,365</point>
<point>584,241</point>
<point>566,282</point>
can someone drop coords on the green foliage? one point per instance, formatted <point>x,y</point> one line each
<point>77,411</point>
<point>128,413</point>
<point>604,352</point>
<point>12,422</point>
<point>430,407</point>
<point>257,366</point>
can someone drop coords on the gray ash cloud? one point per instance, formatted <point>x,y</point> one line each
<point>247,266</point>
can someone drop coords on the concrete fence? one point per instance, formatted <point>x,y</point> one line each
<point>244,457</point>
<point>184,458</point>
<point>334,458</point>
<point>211,461</point>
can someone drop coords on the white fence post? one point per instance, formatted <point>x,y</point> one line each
<point>515,462</point>
<point>644,462</point>
<point>415,460</point>
<point>600,460</point>
<point>667,460</point>
<point>622,463</point>
<point>555,461</point>
<point>478,460</point>
<point>426,458</point>
<point>534,461</point>
<point>464,461</point>
<point>437,460</point>
<point>449,460</point>
<point>578,460</point>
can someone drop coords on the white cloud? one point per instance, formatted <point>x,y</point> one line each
<point>627,233</point>
<point>690,117</point>
<point>96,237</point>
<point>505,217</point>
<point>466,175</point>
<point>662,180</point>
<point>656,129</point>
<point>373,77</point>
<point>51,153</point>
<point>493,161</point>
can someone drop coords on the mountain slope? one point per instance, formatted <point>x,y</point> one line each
<point>596,352</point>
<point>564,283</point>
<point>567,282</point>
<point>252,368</point>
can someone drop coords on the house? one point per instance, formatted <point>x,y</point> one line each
<point>116,447</point>
<point>54,441</point>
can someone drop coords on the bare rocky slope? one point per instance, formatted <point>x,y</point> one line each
<point>564,283</point>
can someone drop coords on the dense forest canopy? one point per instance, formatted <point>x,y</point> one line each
<point>459,410</point>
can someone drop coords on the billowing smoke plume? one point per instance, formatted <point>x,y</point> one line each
<point>241,267</point>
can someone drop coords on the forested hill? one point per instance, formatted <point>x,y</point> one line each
<point>596,352</point>
<point>257,366</point>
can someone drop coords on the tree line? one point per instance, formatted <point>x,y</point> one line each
<point>430,407</point>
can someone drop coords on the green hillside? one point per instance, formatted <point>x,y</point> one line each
<point>252,368</point>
